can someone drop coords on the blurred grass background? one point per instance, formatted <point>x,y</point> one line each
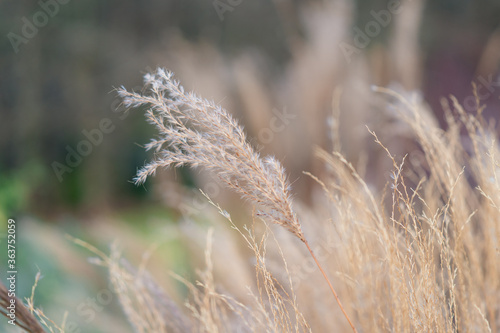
<point>61,82</point>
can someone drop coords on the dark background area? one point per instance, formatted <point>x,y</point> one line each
<point>61,81</point>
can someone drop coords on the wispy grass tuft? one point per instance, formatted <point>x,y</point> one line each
<point>198,133</point>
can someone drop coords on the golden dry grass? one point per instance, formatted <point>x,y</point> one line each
<point>418,255</point>
<point>415,253</point>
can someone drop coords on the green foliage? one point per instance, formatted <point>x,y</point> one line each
<point>16,187</point>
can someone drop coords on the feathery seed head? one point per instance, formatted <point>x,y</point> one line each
<point>197,132</point>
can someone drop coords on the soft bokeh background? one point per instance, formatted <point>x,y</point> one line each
<point>259,59</point>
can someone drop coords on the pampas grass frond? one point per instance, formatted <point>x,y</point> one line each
<point>197,132</point>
